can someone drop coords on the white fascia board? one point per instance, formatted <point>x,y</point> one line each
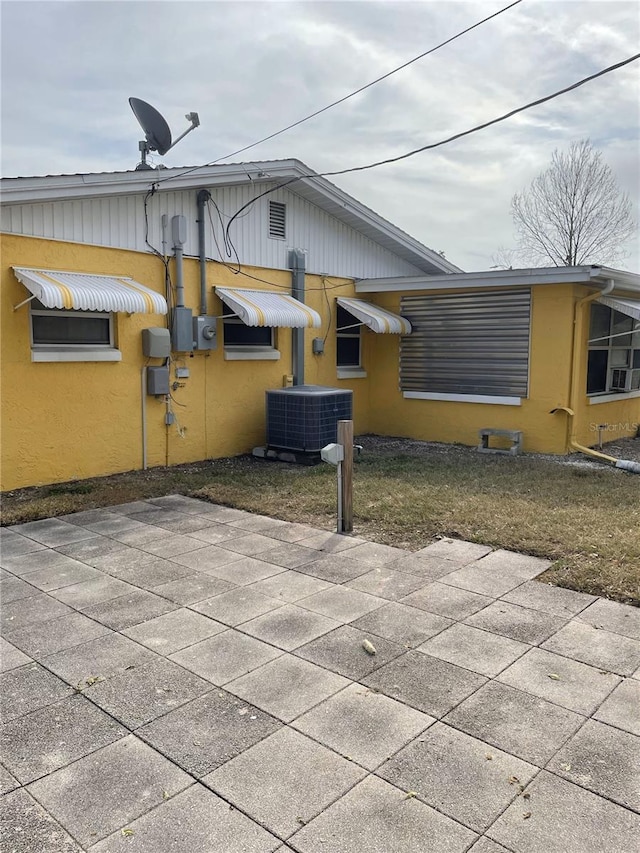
<point>596,276</point>
<point>62,187</point>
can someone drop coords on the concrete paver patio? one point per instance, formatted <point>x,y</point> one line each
<point>179,677</point>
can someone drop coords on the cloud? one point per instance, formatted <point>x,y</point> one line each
<point>251,68</point>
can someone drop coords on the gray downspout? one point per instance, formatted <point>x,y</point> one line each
<point>202,199</point>
<point>297,265</point>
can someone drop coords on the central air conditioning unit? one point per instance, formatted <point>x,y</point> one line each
<point>305,417</point>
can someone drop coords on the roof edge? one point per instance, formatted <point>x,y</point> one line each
<point>596,275</point>
<point>26,190</point>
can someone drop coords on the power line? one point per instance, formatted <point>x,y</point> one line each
<point>488,123</point>
<point>367,85</point>
<point>431,146</point>
<point>287,287</point>
<point>350,95</point>
<point>446,141</point>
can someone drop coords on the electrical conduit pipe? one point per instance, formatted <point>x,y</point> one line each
<point>143,412</point>
<point>297,265</point>
<point>202,198</point>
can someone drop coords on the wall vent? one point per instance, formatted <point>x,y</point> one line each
<point>277,219</point>
<point>305,417</point>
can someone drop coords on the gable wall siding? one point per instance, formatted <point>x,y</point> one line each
<point>332,247</point>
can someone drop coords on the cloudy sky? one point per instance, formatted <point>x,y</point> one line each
<point>250,68</point>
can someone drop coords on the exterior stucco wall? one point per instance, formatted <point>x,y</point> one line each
<point>63,421</point>
<point>550,363</point>
<point>620,417</point>
<point>439,420</point>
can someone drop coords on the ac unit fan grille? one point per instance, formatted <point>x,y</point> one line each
<point>306,418</point>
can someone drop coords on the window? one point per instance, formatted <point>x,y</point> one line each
<point>614,352</point>
<point>242,342</point>
<point>59,335</point>
<point>348,344</point>
<point>277,220</point>
<point>467,345</point>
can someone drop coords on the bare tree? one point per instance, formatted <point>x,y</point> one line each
<point>574,212</point>
<point>504,259</point>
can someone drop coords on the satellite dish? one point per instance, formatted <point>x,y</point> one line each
<point>152,122</point>
<point>156,130</point>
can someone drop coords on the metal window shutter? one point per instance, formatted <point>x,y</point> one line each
<point>277,219</point>
<point>467,343</point>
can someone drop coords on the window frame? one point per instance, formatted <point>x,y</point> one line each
<point>607,344</point>
<point>350,332</point>
<point>72,350</point>
<point>248,351</point>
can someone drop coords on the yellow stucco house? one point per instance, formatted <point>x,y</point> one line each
<point>140,328</point>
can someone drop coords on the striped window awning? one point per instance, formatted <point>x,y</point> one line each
<point>630,307</point>
<point>90,292</point>
<point>265,308</point>
<point>377,319</point>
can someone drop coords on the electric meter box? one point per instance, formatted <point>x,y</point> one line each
<point>205,333</point>
<point>182,337</point>
<point>156,343</point>
<point>157,381</point>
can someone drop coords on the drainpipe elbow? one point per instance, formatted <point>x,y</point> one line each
<point>595,453</point>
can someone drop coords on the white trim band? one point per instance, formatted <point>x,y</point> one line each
<point>614,398</point>
<point>462,398</point>
<point>240,353</point>
<point>351,373</point>
<point>51,355</point>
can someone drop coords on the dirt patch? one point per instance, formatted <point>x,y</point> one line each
<point>624,448</point>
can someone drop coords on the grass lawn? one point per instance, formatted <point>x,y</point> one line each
<point>585,519</point>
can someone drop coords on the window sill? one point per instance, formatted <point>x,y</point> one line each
<point>251,354</point>
<point>43,355</point>
<point>351,373</point>
<point>462,398</point>
<point>612,397</point>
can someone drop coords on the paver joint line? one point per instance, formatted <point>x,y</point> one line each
<point>471,651</point>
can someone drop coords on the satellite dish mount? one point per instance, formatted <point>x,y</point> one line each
<point>156,130</point>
